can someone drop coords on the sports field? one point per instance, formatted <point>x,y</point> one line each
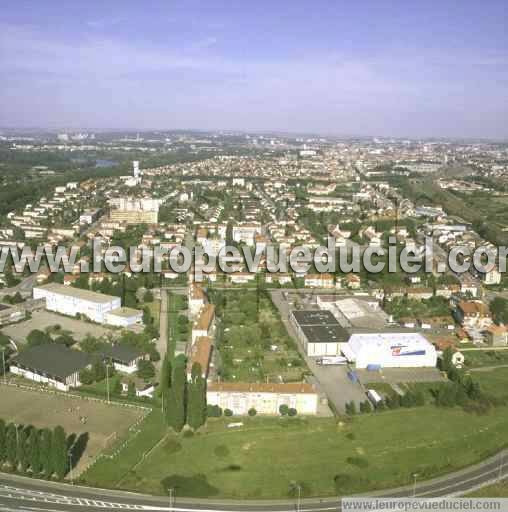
<point>103,423</point>
<point>263,458</point>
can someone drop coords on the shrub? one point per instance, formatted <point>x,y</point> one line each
<point>252,412</point>
<point>283,410</point>
<point>228,412</point>
<point>292,412</point>
<point>359,462</point>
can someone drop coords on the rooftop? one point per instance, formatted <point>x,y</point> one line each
<point>78,293</point>
<point>314,317</point>
<point>53,360</point>
<point>245,387</point>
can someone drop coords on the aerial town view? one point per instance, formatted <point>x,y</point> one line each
<point>253,256</point>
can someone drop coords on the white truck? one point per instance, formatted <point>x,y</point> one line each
<point>329,360</point>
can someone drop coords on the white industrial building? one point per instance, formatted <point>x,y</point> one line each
<point>98,307</point>
<point>389,350</point>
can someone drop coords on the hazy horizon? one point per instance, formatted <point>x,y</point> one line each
<point>436,70</point>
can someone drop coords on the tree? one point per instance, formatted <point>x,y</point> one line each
<point>131,390</point>
<point>283,410</point>
<point>34,451</point>
<point>292,412</point>
<point>46,460</point>
<point>11,447</point>
<point>86,376</point>
<point>99,371</point>
<point>59,452</point>
<point>148,296</point>
<point>196,406</point>
<point>228,412</point>
<point>177,398</point>
<point>23,456</point>
<point>165,380</point>
<point>252,412</point>
<point>38,337</point>
<point>146,369</point>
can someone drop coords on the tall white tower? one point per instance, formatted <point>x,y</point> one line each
<point>135,166</point>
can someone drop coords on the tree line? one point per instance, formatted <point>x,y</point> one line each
<point>42,453</point>
<point>183,401</point>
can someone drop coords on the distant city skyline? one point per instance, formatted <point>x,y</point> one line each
<point>436,69</point>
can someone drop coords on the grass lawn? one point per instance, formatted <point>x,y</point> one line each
<point>493,382</point>
<point>499,490</point>
<point>261,459</point>
<point>479,358</point>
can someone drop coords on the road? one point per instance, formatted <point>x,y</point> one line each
<point>25,494</point>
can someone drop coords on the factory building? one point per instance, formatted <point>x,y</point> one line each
<point>390,350</point>
<point>319,332</point>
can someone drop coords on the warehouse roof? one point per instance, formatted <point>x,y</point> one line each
<point>325,333</point>
<point>53,360</point>
<point>314,317</point>
<point>78,293</point>
<point>358,341</point>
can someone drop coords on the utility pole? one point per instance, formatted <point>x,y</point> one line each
<point>107,381</point>
<point>171,497</point>
<point>299,498</point>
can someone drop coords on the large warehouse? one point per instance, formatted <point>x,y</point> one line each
<point>389,350</point>
<point>98,307</point>
<point>319,332</point>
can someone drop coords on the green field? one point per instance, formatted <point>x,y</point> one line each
<point>261,459</point>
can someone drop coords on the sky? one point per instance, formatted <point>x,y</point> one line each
<point>379,68</point>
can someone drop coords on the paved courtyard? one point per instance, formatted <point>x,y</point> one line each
<point>42,319</point>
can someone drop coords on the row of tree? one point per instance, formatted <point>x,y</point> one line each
<point>184,402</point>
<point>26,449</point>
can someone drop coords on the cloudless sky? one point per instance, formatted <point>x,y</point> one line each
<point>430,68</point>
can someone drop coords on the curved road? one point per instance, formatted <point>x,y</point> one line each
<point>25,494</point>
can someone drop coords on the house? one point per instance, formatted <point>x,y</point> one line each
<point>124,357</point>
<point>353,281</point>
<point>278,277</point>
<point>204,323</point>
<point>473,314</point>
<point>52,364</point>
<point>419,293</point>
<point>437,322</point>
<point>265,398</point>
<point>143,389</point>
<point>496,335</point>
<point>492,276</point>
<point>319,281</point>
<point>201,353</point>
<point>241,277</point>
<point>196,298</point>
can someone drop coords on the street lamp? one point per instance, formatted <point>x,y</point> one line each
<point>501,466</point>
<point>107,382</point>
<point>71,475</point>
<point>415,476</point>
<point>299,487</point>
<point>3,365</point>
<point>171,491</point>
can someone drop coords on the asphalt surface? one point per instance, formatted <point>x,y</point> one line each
<point>25,494</point>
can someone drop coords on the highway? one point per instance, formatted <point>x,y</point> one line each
<point>25,494</point>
